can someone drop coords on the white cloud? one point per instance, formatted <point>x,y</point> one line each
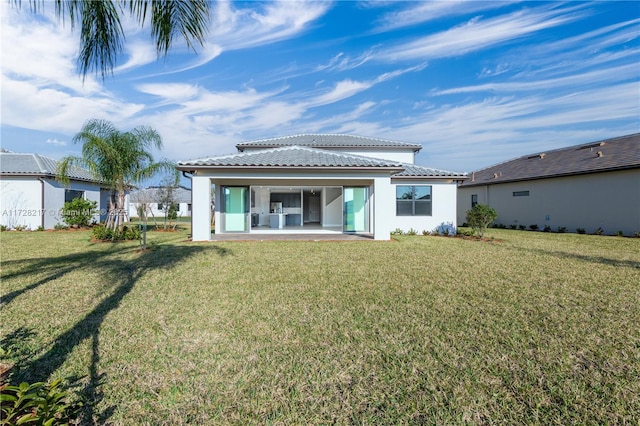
<point>55,142</point>
<point>478,34</point>
<point>421,12</point>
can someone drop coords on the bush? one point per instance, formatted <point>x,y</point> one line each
<point>619,234</point>
<point>38,403</point>
<point>398,231</point>
<point>547,228</point>
<point>78,212</point>
<point>581,230</point>
<point>425,232</point>
<point>599,231</point>
<point>513,226</point>
<point>562,229</point>
<point>479,217</point>
<point>101,233</point>
<point>533,227</point>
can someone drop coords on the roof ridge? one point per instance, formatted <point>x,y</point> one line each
<point>279,138</point>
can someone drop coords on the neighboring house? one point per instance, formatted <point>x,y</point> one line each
<point>319,183</point>
<point>33,198</point>
<point>589,186</point>
<point>153,196</point>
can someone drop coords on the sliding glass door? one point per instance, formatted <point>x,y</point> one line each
<point>236,208</point>
<point>356,209</point>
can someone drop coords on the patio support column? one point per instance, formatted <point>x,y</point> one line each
<point>200,208</point>
<point>383,210</point>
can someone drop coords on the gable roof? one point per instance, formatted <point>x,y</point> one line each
<point>610,154</point>
<point>19,164</point>
<point>320,140</point>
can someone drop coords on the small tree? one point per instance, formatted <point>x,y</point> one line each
<point>479,218</point>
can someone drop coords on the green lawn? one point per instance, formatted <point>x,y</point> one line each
<point>531,328</point>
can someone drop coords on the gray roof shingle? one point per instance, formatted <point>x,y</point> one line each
<point>328,141</point>
<point>180,195</point>
<point>291,156</point>
<point>607,155</point>
<point>298,156</point>
<point>16,164</point>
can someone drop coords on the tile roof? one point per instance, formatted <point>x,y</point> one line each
<point>298,156</point>
<point>328,141</point>
<point>607,155</point>
<point>412,170</point>
<point>16,164</point>
<point>180,195</point>
<point>291,156</point>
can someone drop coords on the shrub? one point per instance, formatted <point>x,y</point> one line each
<point>599,231</point>
<point>513,226</point>
<point>562,229</point>
<point>619,234</point>
<point>60,227</point>
<point>522,227</point>
<point>78,212</point>
<point>412,232</point>
<point>547,228</point>
<point>581,230</point>
<point>425,232</point>
<point>3,227</point>
<point>40,228</point>
<point>479,217</point>
<point>398,231</point>
<point>533,227</point>
<point>101,233</point>
<point>38,403</point>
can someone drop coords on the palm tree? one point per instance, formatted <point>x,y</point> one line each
<point>101,33</point>
<point>118,159</point>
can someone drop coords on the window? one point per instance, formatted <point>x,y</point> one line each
<point>413,200</point>
<point>160,206</point>
<point>521,194</point>
<point>474,200</point>
<point>70,194</point>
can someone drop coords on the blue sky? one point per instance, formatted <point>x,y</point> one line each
<point>476,83</point>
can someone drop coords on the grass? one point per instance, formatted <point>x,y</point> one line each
<point>531,328</point>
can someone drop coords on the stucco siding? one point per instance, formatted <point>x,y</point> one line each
<point>443,208</point>
<point>21,203</point>
<point>607,200</point>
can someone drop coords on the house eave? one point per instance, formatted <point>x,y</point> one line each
<point>195,168</point>
<point>552,176</point>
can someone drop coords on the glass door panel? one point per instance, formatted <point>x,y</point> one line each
<point>236,208</point>
<point>356,210</point>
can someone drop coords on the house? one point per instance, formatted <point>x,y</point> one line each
<point>153,198</point>
<point>31,197</point>
<point>591,186</point>
<point>320,183</point>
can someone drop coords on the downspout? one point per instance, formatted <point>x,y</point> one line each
<point>42,210</point>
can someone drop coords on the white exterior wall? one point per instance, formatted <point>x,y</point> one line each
<point>610,200</point>
<point>21,202</point>
<point>54,199</point>
<point>153,211</point>
<point>384,211</point>
<point>201,208</point>
<point>443,207</point>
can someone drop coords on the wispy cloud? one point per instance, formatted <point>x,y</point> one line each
<point>480,33</point>
<point>601,76</point>
<point>420,12</point>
